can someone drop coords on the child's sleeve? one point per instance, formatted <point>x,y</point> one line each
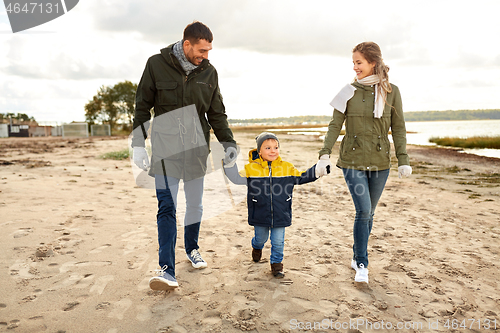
<point>234,176</point>
<point>306,176</point>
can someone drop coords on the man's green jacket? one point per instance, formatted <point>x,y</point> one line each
<point>177,139</point>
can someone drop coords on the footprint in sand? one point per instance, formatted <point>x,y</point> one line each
<point>137,261</point>
<point>119,308</point>
<point>85,281</point>
<point>101,283</point>
<point>21,270</point>
<point>281,312</point>
<point>143,313</point>
<point>77,280</point>
<point>66,267</point>
<point>69,242</point>
<point>22,232</point>
<point>310,280</point>
<point>323,306</point>
<point>135,240</point>
<point>144,284</point>
<point>99,249</point>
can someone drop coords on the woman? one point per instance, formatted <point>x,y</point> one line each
<point>370,106</point>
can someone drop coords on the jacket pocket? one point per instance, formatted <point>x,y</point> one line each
<point>254,203</point>
<point>288,210</point>
<point>381,154</point>
<point>351,145</point>
<point>166,137</point>
<point>167,95</point>
<point>351,153</point>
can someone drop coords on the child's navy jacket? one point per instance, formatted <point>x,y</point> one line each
<point>270,189</point>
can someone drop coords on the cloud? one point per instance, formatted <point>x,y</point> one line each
<point>86,57</point>
<point>279,27</point>
<point>468,59</point>
<point>64,66</point>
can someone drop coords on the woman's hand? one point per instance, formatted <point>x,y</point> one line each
<point>323,166</point>
<point>404,171</point>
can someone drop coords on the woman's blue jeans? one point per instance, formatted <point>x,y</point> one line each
<point>166,193</point>
<point>366,188</point>
<point>277,241</point>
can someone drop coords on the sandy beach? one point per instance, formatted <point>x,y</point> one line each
<point>79,244</point>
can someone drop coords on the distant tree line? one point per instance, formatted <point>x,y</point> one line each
<point>409,116</point>
<point>452,115</point>
<point>284,120</point>
<point>19,116</point>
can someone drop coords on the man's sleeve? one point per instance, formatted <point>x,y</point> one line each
<point>144,101</point>
<point>217,119</point>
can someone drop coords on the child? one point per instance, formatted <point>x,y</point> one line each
<point>270,182</point>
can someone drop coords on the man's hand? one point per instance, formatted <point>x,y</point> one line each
<point>404,171</point>
<point>141,158</point>
<point>323,166</point>
<point>230,157</point>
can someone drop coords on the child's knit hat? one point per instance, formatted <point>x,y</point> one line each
<point>263,137</point>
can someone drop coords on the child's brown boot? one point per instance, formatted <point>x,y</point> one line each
<point>277,270</point>
<point>256,255</point>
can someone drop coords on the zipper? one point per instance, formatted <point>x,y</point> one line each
<point>186,77</point>
<point>184,88</point>
<point>271,192</point>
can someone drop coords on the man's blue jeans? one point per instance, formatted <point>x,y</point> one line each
<point>277,241</point>
<point>366,188</point>
<point>166,193</point>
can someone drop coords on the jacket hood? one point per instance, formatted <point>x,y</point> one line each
<point>168,53</point>
<point>254,157</point>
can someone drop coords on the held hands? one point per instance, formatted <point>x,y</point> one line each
<point>230,157</point>
<point>404,171</point>
<point>323,166</point>
<point>141,158</point>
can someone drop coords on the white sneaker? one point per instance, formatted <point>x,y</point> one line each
<point>361,274</point>
<point>354,265</point>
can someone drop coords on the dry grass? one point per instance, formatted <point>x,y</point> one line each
<point>472,142</point>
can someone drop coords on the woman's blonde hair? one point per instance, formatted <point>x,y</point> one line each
<point>372,53</point>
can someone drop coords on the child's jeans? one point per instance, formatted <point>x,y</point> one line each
<point>277,241</point>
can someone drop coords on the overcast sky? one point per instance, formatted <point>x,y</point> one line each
<point>274,58</point>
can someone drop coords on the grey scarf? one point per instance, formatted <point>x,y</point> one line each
<point>179,54</point>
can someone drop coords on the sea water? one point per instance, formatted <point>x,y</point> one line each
<point>419,132</point>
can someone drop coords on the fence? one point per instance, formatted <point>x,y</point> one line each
<point>100,130</point>
<point>75,129</point>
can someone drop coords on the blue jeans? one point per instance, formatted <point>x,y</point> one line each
<point>166,193</point>
<point>277,241</point>
<point>366,187</point>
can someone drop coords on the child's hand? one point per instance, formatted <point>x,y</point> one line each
<point>323,166</point>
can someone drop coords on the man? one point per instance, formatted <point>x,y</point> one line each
<point>182,88</point>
